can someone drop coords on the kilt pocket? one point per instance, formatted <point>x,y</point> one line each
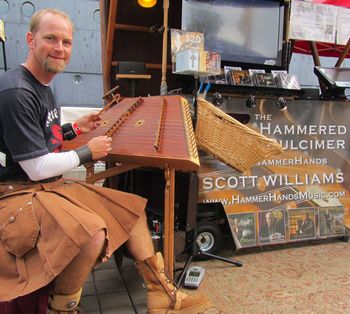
<point>19,227</point>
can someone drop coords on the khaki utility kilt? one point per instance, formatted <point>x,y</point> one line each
<point>44,226</point>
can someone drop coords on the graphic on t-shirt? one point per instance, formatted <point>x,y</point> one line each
<point>56,139</point>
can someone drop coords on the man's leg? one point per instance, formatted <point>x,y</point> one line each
<point>162,295</point>
<point>72,278</point>
<point>68,284</point>
<point>140,243</point>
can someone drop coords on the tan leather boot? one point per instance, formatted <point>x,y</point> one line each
<point>162,295</point>
<point>65,304</point>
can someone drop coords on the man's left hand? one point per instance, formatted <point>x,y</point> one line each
<point>88,122</point>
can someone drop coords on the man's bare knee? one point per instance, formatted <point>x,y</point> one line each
<point>96,244</point>
<point>73,276</point>
<point>141,224</point>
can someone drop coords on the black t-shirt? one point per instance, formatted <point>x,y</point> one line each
<point>29,122</point>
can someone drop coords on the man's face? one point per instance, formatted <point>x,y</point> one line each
<point>269,218</point>
<point>51,43</point>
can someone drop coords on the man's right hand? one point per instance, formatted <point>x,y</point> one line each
<point>100,146</point>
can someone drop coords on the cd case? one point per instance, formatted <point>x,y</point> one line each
<point>287,81</point>
<point>264,80</point>
<point>239,77</point>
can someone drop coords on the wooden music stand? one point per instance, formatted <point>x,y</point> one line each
<point>169,202</point>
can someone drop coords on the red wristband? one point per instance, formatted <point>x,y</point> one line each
<point>76,128</point>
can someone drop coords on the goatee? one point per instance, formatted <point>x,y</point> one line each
<point>53,67</point>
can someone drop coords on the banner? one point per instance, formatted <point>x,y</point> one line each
<point>300,194</point>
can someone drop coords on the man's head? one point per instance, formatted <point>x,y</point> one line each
<point>49,40</point>
<point>37,17</point>
<point>269,218</point>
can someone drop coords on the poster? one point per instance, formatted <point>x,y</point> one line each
<point>313,21</point>
<point>343,26</point>
<point>298,185</point>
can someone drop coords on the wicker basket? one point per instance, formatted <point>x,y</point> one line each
<point>230,141</point>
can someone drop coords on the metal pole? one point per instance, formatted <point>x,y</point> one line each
<point>4,53</point>
<point>343,54</point>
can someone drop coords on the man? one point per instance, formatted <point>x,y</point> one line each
<point>237,228</point>
<point>272,229</point>
<point>52,231</point>
<point>308,226</point>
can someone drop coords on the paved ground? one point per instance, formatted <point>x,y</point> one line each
<point>110,291</point>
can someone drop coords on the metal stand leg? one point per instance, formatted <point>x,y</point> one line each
<point>191,221</point>
<point>198,252</point>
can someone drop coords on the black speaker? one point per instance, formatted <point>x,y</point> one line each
<point>310,94</point>
<point>130,67</point>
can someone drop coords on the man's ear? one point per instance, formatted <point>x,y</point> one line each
<point>30,39</point>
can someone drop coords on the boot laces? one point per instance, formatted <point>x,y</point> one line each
<point>170,283</point>
<point>165,281</point>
